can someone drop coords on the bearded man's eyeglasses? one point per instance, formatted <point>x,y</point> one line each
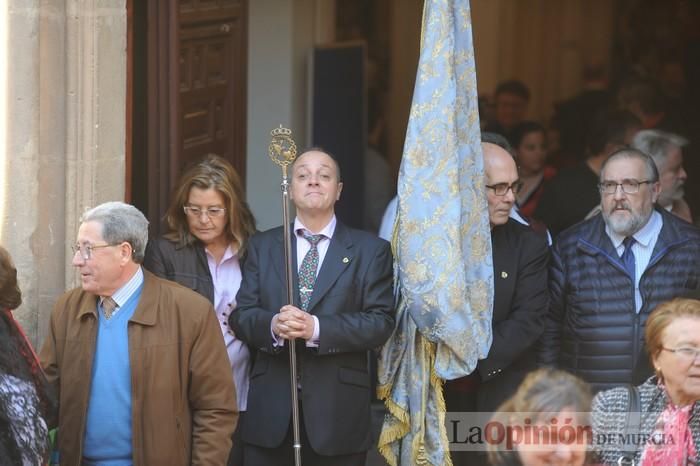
<point>628,186</point>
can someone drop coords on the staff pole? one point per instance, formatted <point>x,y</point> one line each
<point>283,151</point>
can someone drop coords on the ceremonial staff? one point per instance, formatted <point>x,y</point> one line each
<point>283,151</point>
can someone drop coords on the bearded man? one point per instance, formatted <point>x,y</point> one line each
<point>609,272</point>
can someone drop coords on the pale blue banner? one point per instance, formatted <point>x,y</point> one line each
<point>441,243</point>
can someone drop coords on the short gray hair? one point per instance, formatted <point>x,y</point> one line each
<point>121,223</point>
<point>656,144</point>
<point>631,153</point>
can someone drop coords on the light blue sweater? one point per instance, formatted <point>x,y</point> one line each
<point>107,439</point>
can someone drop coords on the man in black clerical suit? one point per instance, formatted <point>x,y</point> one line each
<point>520,258</point>
<point>343,308</point>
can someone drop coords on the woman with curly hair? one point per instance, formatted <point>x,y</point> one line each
<point>27,403</point>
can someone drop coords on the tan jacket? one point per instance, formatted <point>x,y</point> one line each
<point>183,399</point>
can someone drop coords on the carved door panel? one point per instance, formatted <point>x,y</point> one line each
<point>212,80</point>
<point>188,96</point>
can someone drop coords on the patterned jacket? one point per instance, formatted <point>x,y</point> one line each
<point>592,329</point>
<point>609,418</point>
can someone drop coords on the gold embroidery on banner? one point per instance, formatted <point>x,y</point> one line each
<point>441,233</point>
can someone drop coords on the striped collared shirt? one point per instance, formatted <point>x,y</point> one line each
<point>122,295</point>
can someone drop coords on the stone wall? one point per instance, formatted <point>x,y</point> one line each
<point>66,95</point>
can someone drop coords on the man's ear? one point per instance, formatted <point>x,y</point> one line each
<point>655,190</point>
<point>340,188</point>
<point>126,252</point>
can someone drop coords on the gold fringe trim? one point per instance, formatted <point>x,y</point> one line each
<point>395,432</point>
<point>397,411</point>
<point>402,425</point>
<point>383,391</point>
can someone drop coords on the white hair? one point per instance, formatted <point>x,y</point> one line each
<point>656,144</point>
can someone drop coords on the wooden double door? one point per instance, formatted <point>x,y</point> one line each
<point>186,93</point>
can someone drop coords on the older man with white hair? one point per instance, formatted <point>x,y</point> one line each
<point>666,149</point>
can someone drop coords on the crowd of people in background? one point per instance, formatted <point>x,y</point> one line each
<point>565,153</point>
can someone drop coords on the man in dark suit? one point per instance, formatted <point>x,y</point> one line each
<point>343,308</point>
<point>520,257</point>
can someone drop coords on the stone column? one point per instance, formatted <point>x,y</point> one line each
<point>65,137</point>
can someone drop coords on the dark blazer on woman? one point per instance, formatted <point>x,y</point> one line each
<point>186,265</point>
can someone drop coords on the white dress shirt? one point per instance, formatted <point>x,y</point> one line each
<point>122,295</point>
<point>303,247</point>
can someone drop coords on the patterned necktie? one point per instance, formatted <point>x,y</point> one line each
<point>307,271</point>
<point>108,306</point>
<point>628,257</point>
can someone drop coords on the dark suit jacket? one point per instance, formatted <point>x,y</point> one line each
<point>521,298</point>
<point>353,301</point>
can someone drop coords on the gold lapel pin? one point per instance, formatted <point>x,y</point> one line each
<point>504,274</point>
<point>345,260</point>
